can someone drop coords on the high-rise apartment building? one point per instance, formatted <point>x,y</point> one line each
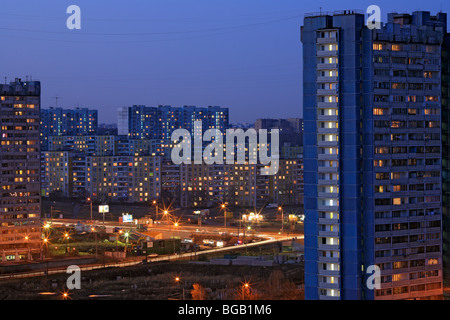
<point>89,144</point>
<point>372,155</point>
<point>20,202</point>
<point>123,178</point>
<point>142,122</point>
<point>67,122</point>
<point>290,129</point>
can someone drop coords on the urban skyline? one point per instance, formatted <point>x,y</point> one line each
<point>195,68</point>
<point>317,170</point>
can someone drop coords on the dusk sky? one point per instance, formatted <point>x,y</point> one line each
<point>240,54</point>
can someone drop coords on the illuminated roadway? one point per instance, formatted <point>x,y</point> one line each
<point>269,238</point>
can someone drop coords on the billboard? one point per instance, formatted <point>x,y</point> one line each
<point>127,218</point>
<point>103,209</point>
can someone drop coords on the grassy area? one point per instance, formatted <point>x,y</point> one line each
<point>84,248</point>
<point>157,282</point>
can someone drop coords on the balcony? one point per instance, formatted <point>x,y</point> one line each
<point>328,157</point>
<point>327,143</point>
<point>327,66</point>
<point>326,79</point>
<point>328,208</point>
<point>327,92</point>
<point>334,195</point>
<point>328,130</point>
<point>329,40</point>
<point>326,105</point>
<point>322,297</point>
<point>328,260</point>
<point>328,117</point>
<point>328,182</point>
<point>329,170</point>
<point>326,53</point>
<point>328,221</point>
<point>327,285</point>
<point>330,273</point>
<point>334,234</point>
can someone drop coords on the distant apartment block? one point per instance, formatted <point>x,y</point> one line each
<point>135,166</point>
<point>372,154</point>
<point>142,122</point>
<point>89,144</point>
<point>290,129</point>
<point>123,178</point>
<point>57,173</point>
<point>67,122</point>
<point>20,201</point>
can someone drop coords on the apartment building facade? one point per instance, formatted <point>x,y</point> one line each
<point>20,200</point>
<point>67,122</point>
<point>372,155</point>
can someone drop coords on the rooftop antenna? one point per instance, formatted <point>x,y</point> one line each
<point>56,100</point>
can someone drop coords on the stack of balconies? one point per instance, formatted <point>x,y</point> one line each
<point>328,168</point>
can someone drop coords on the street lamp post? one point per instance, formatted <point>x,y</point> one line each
<point>127,234</point>
<point>280,208</point>
<point>155,203</point>
<point>89,199</point>
<point>66,236</point>
<point>27,238</point>
<point>117,244</point>
<point>182,283</point>
<point>96,243</point>
<point>91,212</point>
<point>175,224</point>
<point>45,247</point>
<point>223,206</point>
<point>245,288</point>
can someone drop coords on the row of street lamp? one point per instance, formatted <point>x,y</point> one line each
<point>165,212</point>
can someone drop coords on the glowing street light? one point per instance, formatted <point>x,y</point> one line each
<point>182,283</point>
<point>280,208</point>
<point>245,289</point>
<point>66,236</point>
<point>65,295</point>
<point>155,203</point>
<point>224,207</point>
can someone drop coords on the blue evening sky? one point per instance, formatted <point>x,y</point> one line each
<point>241,54</point>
